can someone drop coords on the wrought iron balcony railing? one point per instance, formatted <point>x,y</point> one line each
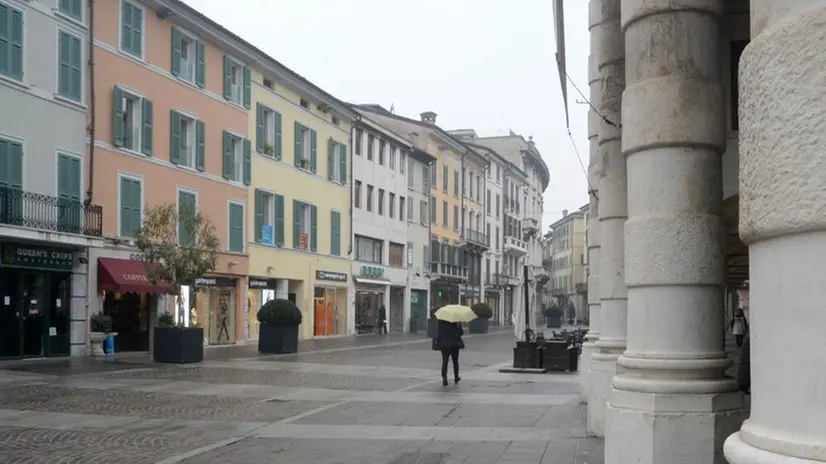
<point>448,270</point>
<point>44,212</point>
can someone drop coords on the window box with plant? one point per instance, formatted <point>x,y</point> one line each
<point>100,327</point>
<point>176,343</point>
<point>278,329</point>
<point>481,324</point>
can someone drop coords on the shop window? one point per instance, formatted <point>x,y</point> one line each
<point>396,255</point>
<point>368,249</point>
<point>330,311</point>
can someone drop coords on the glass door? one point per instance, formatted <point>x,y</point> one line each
<point>35,317</point>
<point>10,339</point>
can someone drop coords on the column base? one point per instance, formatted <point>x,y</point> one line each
<point>739,452</point>
<point>603,370</point>
<point>651,428</point>
<point>588,350</point>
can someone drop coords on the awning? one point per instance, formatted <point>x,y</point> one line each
<point>559,29</point>
<point>127,276</point>
<point>368,281</point>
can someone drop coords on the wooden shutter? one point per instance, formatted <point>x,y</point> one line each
<point>299,154</point>
<point>279,220</point>
<point>175,137</point>
<point>236,228</point>
<point>335,233</point>
<point>200,145</point>
<point>296,224</point>
<point>259,215</point>
<point>343,164</point>
<point>227,78</point>
<point>331,166</point>
<point>313,151</point>
<point>259,128</point>
<point>176,52</point>
<point>200,64</point>
<point>227,156</point>
<point>247,87</point>
<point>247,162</point>
<point>277,141</point>
<point>146,126</point>
<point>313,228</point>
<point>117,117</point>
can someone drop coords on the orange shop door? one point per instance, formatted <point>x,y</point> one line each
<point>323,317</point>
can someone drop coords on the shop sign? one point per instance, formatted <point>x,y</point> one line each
<point>331,276</point>
<point>372,271</point>
<point>256,283</point>
<point>214,282</point>
<point>59,259</point>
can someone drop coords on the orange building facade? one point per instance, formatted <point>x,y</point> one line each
<point>171,116</point>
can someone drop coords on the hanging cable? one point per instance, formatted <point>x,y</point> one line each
<point>602,116</point>
<point>591,190</point>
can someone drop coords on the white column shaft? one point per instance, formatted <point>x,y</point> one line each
<point>782,174</point>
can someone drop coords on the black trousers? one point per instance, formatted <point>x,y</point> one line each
<point>738,340</point>
<point>450,354</point>
<point>382,327</point>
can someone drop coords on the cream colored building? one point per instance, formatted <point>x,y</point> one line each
<point>567,260</point>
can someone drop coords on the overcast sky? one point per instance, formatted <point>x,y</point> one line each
<point>476,63</point>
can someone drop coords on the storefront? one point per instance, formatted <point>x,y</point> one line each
<point>492,299</point>
<point>261,290</point>
<point>418,308</point>
<point>212,304</point>
<point>35,300</point>
<point>330,303</point>
<point>372,292</point>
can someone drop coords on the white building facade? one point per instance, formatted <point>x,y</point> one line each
<point>418,236</point>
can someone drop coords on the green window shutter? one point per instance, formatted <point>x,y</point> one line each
<point>299,153</point>
<point>137,30</point>
<point>12,32</point>
<point>313,228</point>
<point>247,87</point>
<point>313,152</point>
<point>200,145</point>
<point>64,66</point>
<point>247,162</point>
<point>76,71</point>
<point>236,228</point>
<point>117,118</point>
<point>125,207</point>
<point>175,137</point>
<point>335,233</point>
<point>126,26</point>
<point>259,128</point>
<point>200,64</point>
<point>277,141</point>
<point>146,127</point>
<point>331,166</point>
<point>279,220</point>
<point>227,156</point>
<point>259,214</point>
<point>71,8</point>
<point>186,208</point>
<point>227,78</point>
<point>11,164</point>
<point>176,52</point>
<point>343,161</point>
<point>296,224</point>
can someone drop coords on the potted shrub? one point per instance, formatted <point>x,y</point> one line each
<point>100,327</point>
<point>268,150</point>
<point>305,163</point>
<point>553,316</point>
<point>481,323</point>
<point>175,343</point>
<point>278,330</point>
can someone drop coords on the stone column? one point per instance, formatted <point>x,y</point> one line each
<point>282,289</point>
<point>594,168</point>
<point>782,219</point>
<point>672,403</point>
<point>612,212</point>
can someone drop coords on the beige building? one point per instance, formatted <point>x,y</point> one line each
<point>566,255</point>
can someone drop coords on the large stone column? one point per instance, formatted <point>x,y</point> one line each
<point>592,224</point>
<point>672,403</point>
<point>612,212</point>
<point>782,219</point>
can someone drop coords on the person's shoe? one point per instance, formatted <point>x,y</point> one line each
<point>444,381</point>
<point>457,379</point>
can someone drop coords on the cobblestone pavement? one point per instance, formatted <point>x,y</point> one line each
<point>365,400</point>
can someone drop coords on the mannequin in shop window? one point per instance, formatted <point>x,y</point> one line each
<point>223,316</point>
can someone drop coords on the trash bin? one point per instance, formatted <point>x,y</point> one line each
<point>109,344</point>
<point>573,358</point>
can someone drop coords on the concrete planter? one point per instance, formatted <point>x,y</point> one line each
<point>178,345</point>
<point>277,339</point>
<point>96,343</point>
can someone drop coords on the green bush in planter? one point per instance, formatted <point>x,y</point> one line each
<point>554,312</point>
<point>280,312</point>
<point>482,310</point>
<point>100,322</point>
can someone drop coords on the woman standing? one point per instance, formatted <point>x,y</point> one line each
<point>738,327</point>
<point>449,341</point>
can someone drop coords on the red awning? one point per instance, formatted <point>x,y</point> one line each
<point>127,276</point>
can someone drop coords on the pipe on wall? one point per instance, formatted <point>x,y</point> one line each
<point>92,107</point>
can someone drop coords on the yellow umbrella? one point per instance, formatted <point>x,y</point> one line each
<point>455,313</point>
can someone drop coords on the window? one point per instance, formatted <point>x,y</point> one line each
<point>382,147</point>
<point>409,254</point>
<point>425,256</point>
<point>268,83</point>
<point>432,169</point>
<point>478,188</point>
<point>411,178</point>
<point>444,179</point>
<point>497,205</point>
<point>334,120</point>
<point>455,183</point>
<point>337,162</point>
<point>395,255</point>
<point>401,208</point>
<point>305,226</point>
<point>488,202</point>
<point>402,161</point>
<point>444,213</point>
<point>236,227</point>
<point>131,206</point>
<point>11,42</point>
<point>357,194</point>
<point>391,154</point>
<point>381,202</point>
<point>68,184</point>
<point>368,249</point>
<point>370,141</point>
<point>236,158</point>
<point>391,205</point>
<point>498,173</point>
<point>306,152</point>
<point>269,218</point>
<point>304,103</point>
<point>470,183</point>
<point>71,8</point>
<point>455,217</point>
<point>487,233</point>
<point>369,197</point>
<point>187,208</point>
<point>236,82</point>
<point>422,211</point>
<point>359,135</point>
<point>133,123</point>
<point>433,205</point>
<point>188,58</point>
<point>268,131</point>
<point>131,29</point>
<point>70,66</point>
<point>410,212</point>
<point>497,239</point>
<point>187,146</point>
<point>335,233</point>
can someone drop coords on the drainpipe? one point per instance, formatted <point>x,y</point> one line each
<point>462,226</point>
<point>426,182</point>
<point>352,187</point>
<point>91,126</point>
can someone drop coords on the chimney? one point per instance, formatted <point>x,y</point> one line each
<point>530,140</point>
<point>429,117</point>
<point>564,213</point>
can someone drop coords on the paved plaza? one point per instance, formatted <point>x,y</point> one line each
<point>359,400</point>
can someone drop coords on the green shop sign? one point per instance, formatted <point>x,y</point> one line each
<point>33,256</point>
<point>372,271</point>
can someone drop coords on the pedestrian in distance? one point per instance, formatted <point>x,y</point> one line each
<point>449,341</point>
<point>739,325</point>
<point>382,320</point>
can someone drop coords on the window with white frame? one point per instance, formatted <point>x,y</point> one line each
<point>392,157</point>
<point>410,207</point>
<point>268,135</point>
<point>304,221</point>
<point>402,161</point>
<point>235,152</point>
<point>130,116</point>
<point>188,59</point>
<point>235,72</point>
<point>187,141</point>
<point>369,249</point>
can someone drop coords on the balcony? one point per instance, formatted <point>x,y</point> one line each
<point>505,280</point>
<point>540,272</point>
<point>44,212</point>
<point>530,225</point>
<point>515,246</point>
<point>445,271</point>
<point>474,237</point>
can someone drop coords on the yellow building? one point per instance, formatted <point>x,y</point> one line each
<point>300,239</point>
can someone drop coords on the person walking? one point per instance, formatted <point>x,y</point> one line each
<point>738,327</point>
<point>382,319</point>
<point>449,341</point>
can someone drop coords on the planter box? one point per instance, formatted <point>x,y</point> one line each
<point>553,322</point>
<point>527,355</point>
<point>178,345</point>
<point>277,339</point>
<point>557,355</point>
<point>478,326</point>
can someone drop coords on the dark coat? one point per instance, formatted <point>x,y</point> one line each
<point>382,314</point>
<point>744,367</point>
<point>449,336</point>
